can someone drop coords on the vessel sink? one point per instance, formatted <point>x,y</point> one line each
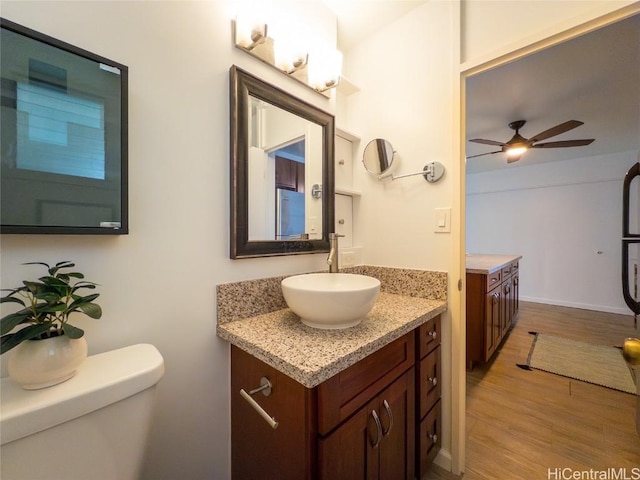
<point>330,300</point>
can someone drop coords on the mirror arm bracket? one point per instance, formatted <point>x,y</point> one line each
<point>432,172</point>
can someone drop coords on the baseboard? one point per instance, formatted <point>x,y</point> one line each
<point>583,306</point>
<point>443,459</point>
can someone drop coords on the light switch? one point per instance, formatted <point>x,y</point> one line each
<point>442,218</point>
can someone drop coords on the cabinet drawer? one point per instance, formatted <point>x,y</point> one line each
<point>506,271</point>
<point>493,279</point>
<point>430,378</point>
<point>346,392</point>
<point>429,438</point>
<point>428,336</point>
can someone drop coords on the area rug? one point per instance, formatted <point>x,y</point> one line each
<point>597,364</point>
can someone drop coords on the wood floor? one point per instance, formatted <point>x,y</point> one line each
<point>526,424</point>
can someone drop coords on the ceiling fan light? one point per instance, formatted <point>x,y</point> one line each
<point>516,151</point>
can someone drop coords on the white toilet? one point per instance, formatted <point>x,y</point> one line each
<point>93,426</point>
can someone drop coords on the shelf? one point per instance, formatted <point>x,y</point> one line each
<point>348,191</point>
<point>352,137</point>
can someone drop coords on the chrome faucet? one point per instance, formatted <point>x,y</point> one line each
<point>332,259</point>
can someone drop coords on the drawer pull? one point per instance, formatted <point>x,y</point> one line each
<point>376,419</point>
<point>433,381</point>
<point>341,162</point>
<point>265,388</point>
<point>433,437</point>
<point>494,280</point>
<point>390,415</point>
<point>433,334</point>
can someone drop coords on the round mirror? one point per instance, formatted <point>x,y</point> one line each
<point>378,156</point>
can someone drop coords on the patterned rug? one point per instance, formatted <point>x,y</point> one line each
<point>597,364</point>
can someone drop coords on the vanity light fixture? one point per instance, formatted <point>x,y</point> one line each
<point>285,50</point>
<point>249,32</point>
<point>325,67</point>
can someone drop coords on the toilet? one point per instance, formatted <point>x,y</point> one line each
<point>93,426</point>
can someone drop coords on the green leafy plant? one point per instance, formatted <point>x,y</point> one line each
<point>47,304</point>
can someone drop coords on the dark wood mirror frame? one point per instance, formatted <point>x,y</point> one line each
<point>243,85</point>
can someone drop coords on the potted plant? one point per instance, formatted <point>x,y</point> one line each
<point>48,348</point>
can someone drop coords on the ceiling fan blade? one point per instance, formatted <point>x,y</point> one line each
<point>482,154</point>
<point>557,130</point>
<point>564,143</point>
<point>487,142</point>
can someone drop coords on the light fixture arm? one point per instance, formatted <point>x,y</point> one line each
<point>432,172</point>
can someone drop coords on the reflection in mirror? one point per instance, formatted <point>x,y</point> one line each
<point>280,147</point>
<point>378,156</point>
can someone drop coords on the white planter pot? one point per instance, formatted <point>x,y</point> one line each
<point>42,363</point>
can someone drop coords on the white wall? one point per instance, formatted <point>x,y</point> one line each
<point>405,74</point>
<point>558,216</point>
<point>495,27</point>
<point>158,282</point>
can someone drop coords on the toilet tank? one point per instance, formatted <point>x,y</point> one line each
<point>93,426</point>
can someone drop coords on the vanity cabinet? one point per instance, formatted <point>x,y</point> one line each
<point>429,387</point>
<point>362,423</point>
<point>492,306</point>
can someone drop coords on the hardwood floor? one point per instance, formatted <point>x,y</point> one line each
<point>524,424</point>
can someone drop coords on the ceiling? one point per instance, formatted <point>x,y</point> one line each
<point>594,78</point>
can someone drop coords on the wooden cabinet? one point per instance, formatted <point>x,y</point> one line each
<point>289,174</point>
<point>362,423</point>
<point>492,306</point>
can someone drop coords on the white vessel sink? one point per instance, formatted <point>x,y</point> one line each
<point>330,300</point>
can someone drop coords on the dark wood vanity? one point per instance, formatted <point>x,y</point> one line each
<point>377,419</point>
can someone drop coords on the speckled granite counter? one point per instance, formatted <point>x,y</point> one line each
<point>310,356</point>
<point>485,264</point>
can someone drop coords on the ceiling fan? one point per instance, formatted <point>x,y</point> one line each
<point>516,147</point>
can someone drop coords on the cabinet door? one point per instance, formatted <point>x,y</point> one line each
<point>351,451</point>
<point>344,163</point>
<point>516,294</point>
<point>507,305</point>
<point>397,416</point>
<point>344,220</point>
<point>493,329</point>
<point>378,442</point>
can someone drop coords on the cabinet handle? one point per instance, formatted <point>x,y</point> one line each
<point>433,437</point>
<point>341,221</point>
<point>433,381</point>
<point>433,334</point>
<point>390,415</point>
<point>376,419</point>
<point>265,388</point>
<point>341,162</point>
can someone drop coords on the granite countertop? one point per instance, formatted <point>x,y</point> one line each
<point>485,264</point>
<point>311,356</point>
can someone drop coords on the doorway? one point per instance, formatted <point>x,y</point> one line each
<point>515,57</point>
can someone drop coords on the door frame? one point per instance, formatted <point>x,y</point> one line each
<point>578,26</point>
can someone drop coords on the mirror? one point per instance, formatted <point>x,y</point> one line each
<point>282,177</point>
<point>378,156</point>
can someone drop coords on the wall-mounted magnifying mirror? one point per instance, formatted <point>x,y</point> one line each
<point>378,156</point>
<point>282,178</point>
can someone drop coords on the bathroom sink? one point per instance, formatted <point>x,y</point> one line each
<point>330,300</point>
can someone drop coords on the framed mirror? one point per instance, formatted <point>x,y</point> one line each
<point>282,173</point>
